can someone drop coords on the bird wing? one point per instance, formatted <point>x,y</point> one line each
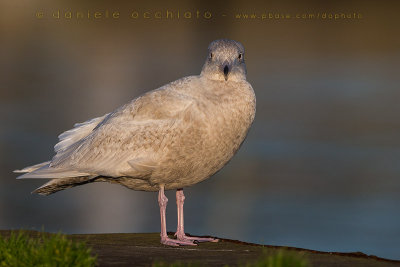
<point>79,131</point>
<point>128,140</point>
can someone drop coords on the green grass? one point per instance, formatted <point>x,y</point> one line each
<point>46,250</point>
<point>282,258</point>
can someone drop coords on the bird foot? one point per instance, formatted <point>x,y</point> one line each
<point>183,237</point>
<point>175,242</point>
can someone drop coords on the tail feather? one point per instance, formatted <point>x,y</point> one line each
<point>55,185</point>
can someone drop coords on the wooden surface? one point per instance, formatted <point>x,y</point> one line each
<point>144,249</point>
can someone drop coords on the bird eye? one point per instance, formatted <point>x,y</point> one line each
<point>240,56</point>
<point>211,55</point>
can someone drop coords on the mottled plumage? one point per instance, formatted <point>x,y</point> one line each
<point>171,137</point>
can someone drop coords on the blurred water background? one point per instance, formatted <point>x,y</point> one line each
<point>320,168</point>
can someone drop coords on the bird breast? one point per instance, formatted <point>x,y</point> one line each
<point>219,123</point>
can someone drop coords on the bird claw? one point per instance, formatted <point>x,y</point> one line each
<point>175,242</point>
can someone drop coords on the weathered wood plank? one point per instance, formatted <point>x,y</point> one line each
<point>144,249</point>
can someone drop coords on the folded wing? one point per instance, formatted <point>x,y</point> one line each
<point>125,142</point>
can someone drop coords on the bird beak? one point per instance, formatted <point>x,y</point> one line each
<point>226,69</point>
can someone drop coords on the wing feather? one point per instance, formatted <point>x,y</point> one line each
<point>79,131</point>
<point>32,168</point>
<point>50,172</point>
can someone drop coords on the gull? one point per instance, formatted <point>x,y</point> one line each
<point>166,139</point>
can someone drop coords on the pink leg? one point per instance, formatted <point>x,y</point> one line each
<point>180,232</point>
<point>162,201</point>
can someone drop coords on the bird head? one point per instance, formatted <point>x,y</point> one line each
<point>225,61</point>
